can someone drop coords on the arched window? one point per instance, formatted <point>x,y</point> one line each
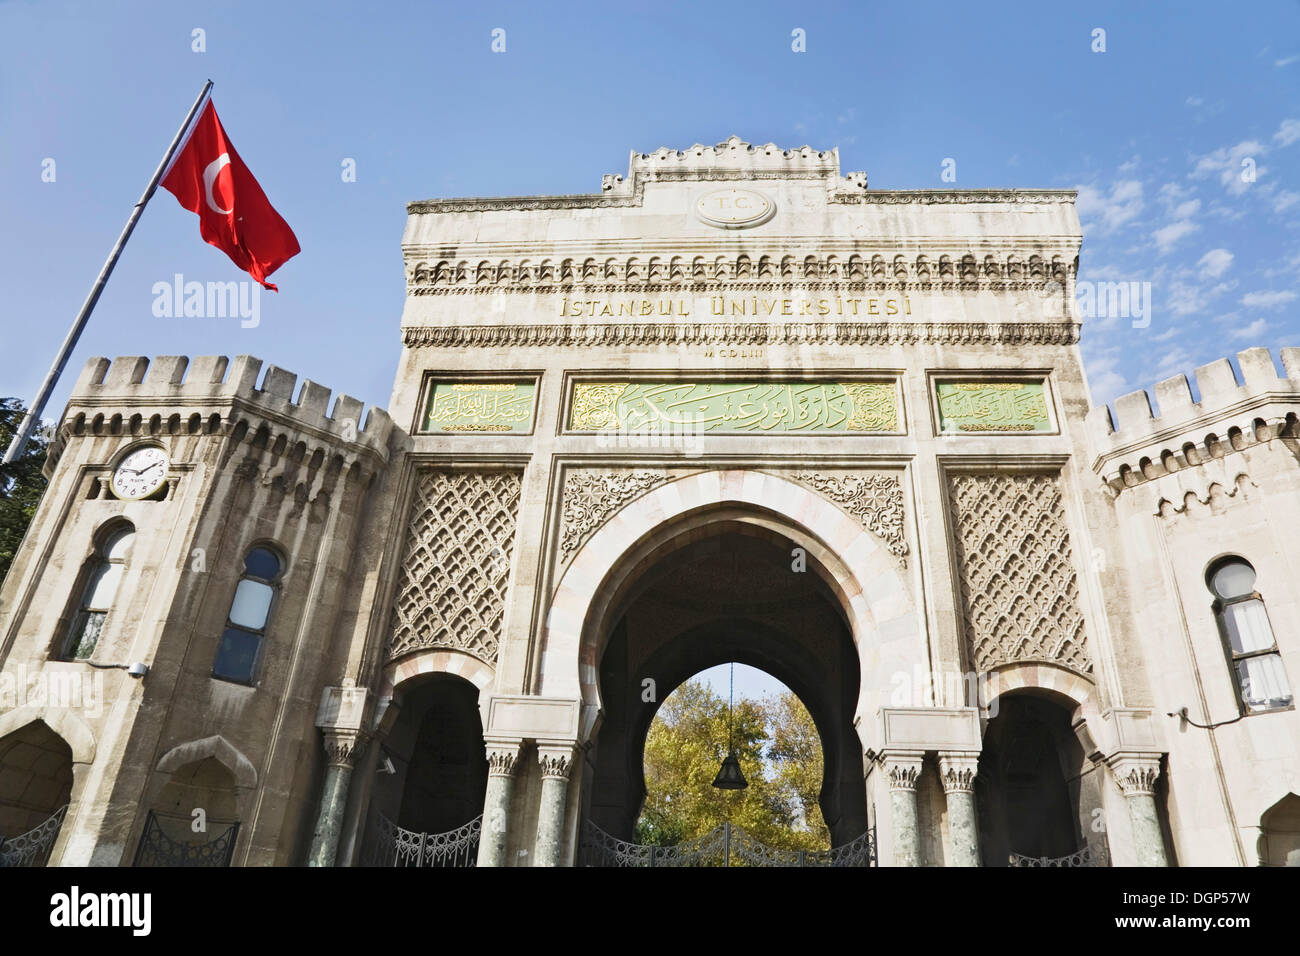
<point>101,576</point>
<point>1248,636</point>
<point>241,642</point>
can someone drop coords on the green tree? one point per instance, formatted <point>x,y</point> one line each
<point>21,484</point>
<point>796,757</point>
<point>684,748</point>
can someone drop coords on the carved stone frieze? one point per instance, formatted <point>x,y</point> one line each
<point>591,495</point>
<point>874,498</point>
<point>673,272</point>
<point>1019,588</point>
<point>741,333</point>
<point>461,536</point>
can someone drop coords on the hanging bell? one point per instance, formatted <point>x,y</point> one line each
<point>729,776</point>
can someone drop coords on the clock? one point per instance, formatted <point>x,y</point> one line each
<point>140,473</point>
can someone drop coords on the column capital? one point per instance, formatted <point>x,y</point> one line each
<point>903,768</point>
<point>503,757</point>
<point>341,745</point>
<point>957,769</point>
<point>556,759</point>
<point>1136,773</point>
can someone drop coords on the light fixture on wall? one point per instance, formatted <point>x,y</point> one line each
<point>729,776</point>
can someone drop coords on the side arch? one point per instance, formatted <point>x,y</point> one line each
<point>874,597</point>
<point>442,660</point>
<point>1069,688</point>
<point>435,661</point>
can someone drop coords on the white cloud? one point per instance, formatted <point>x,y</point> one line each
<point>1195,101</point>
<point>1171,193</point>
<point>1185,210</point>
<point>1215,262</point>
<point>1109,212</point>
<point>1185,299</point>
<point>1288,132</point>
<point>1173,361</point>
<point>1255,330</point>
<point>1268,300</point>
<point>1226,164</point>
<point>1131,165</point>
<point>1105,380</point>
<point>1285,200</point>
<point>1167,236</point>
<point>1286,61</point>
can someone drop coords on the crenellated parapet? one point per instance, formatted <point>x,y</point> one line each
<point>1178,433</point>
<point>736,157</point>
<point>174,395</point>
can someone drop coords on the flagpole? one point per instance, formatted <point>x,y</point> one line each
<point>37,407</point>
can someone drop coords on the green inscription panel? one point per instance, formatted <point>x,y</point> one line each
<point>735,407</point>
<point>992,407</point>
<point>480,407</point>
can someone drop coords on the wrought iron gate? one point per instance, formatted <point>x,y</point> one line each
<point>1085,857</point>
<point>158,849</point>
<point>33,847</point>
<point>725,845</point>
<point>391,845</point>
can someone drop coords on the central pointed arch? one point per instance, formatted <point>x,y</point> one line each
<point>862,575</point>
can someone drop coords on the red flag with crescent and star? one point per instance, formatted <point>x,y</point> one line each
<point>208,178</point>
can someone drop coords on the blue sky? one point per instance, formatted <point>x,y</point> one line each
<point>1152,131</point>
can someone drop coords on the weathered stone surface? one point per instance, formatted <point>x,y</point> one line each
<point>909,424</point>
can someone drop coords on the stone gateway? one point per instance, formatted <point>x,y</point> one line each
<point>734,406</point>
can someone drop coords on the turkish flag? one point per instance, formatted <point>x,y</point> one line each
<point>207,177</point>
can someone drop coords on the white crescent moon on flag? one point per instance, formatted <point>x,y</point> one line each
<point>209,177</point>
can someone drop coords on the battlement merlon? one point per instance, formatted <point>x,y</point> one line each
<point>1141,436</point>
<point>169,383</point>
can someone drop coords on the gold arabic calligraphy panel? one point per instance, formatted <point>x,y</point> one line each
<point>480,407</point>
<point>735,407</point>
<point>993,407</point>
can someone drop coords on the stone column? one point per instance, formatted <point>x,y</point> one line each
<point>503,757</point>
<point>340,719</point>
<point>958,771</point>
<point>903,769</point>
<point>340,748</point>
<point>556,761</point>
<point>1136,775</point>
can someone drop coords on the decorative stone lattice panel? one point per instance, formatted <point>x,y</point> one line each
<point>591,495</point>
<point>874,498</point>
<point>1018,583</point>
<point>453,587</point>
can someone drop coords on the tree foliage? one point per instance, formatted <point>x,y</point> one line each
<point>779,752</point>
<point>21,484</point>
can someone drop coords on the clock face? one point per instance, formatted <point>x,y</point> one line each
<point>140,473</point>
